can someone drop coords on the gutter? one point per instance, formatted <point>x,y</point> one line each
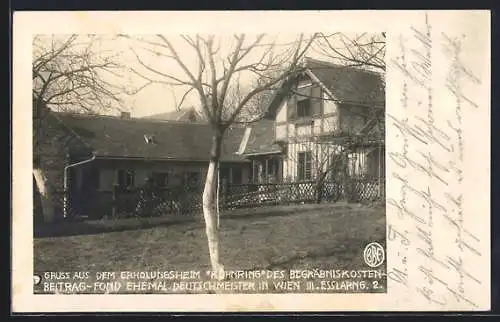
<point>263,153</point>
<point>103,157</point>
<point>66,181</point>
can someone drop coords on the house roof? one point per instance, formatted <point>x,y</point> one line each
<point>349,84</point>
<point>261,139</point>
<point>115,137</point>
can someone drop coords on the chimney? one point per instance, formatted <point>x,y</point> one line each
<point>125,115</point>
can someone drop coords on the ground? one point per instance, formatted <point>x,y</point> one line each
<point>327,236</point>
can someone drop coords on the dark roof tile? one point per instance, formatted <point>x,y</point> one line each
<point>349,84</point>
<point>116,137</point>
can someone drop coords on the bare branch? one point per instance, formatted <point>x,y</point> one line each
<point>215,111</point>
<point>197,83</point>
<point>354,51</point>
<point>184,97</point>
<point>177,58</point>
<point>159,73</point>
<point>297,55</point>
<point>236,57</point>
<point>74,73</point>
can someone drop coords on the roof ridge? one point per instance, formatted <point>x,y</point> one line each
<point>141,120</point>
<point>133,119</point>
<point>181,111</point>
<point>357,68</point>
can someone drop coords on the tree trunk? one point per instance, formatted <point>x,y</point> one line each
<point>348,180</point>
<point>45,195</point>
<point>320,182</point>
<point>209,205</point>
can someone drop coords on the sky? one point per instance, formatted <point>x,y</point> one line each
<point>160,98</point>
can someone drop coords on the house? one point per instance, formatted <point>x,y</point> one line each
<point>90,154</point>
<point>323,112</point>
<point>312,118</point>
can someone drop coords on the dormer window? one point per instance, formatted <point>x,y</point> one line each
<point>304,81</point>
<point>149,138</point>
<point>304,107</point>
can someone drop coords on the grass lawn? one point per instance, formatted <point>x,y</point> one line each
<point>330,237</point>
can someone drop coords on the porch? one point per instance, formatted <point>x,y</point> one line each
<point>266,168</point>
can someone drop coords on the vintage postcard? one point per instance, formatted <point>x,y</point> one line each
<point>251,161</point>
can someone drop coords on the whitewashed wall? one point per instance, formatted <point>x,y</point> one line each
<point>281,117</point>
<point>329,106</point>
<point>320,157</point>
<point>357,164</point>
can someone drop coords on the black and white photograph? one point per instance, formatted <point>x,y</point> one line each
<point>209,163</point>
<point>263,161</point>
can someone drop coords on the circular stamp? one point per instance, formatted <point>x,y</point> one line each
<point>37,279</point>
<point>374,254</point>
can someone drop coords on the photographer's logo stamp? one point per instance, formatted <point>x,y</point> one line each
<point>37,279</point>
<point>374,254</point>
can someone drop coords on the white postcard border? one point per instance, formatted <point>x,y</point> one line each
<point>476,144</point>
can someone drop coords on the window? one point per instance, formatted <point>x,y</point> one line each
<point>106,179</point>
<point>356,164</point>
<point>304,108</point>
<point>271,170</point>
<point>224,174</point>
<point>304,165</point>
<point>231,175</point>
<point>160,179</point>
<point>126,178</point>
<point>237,175</point>
<point>255,171</point>
<point>92,182</point>
<point>192,179</point>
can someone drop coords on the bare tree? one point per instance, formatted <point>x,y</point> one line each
<point>328,160</point>
<point>365,51</point>
<point>219,79</point>
<point>74,73</point>
<point>71,73</point>
<point>360,50</point>
<point>342,162</point>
